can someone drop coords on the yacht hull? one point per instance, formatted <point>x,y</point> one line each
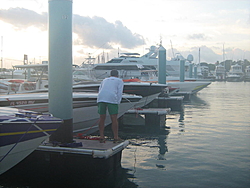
<point>85,111</point>
<point>21,133</point>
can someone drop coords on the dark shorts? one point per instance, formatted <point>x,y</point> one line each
<point>103,106</point>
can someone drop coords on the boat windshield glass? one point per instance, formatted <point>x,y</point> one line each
<point>115,61</point>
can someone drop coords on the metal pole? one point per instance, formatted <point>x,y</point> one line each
<point>1,51</point>
<point>190,70</point>
<point>195,71</point>
<point>182,70</point>
<point>60,67</point>
<point>162,65</point>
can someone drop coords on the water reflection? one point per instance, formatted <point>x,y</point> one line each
<point>140,136</point>
<point>181,115</point>
<point>163,148</point>
<point>196,101</point>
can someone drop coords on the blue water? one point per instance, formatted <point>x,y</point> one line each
<point>208,145</point>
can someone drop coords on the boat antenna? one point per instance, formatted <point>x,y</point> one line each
<point>25,59</point>
<point>118,52</point>
<point>1,51</point>
<point>103,57</point>
<point>160,40</point>
<point>199,56</point>
<point>223,53</point>
<point>172,48</point>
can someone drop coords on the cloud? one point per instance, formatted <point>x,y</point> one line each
<point>97,32</point>
<point>93,32</point>
<point>22,18</point>
<point>206,54</point>
<point>209,56</point>
<point>198,36</point>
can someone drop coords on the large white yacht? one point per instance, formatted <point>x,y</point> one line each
<point>247,73</point>
<point>235,74</point>
<point>131,65</point>
<point>220,72</point>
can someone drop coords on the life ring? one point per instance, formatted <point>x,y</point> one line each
<point>132,80</point>
<point>14,87</point>
<point>26,86</point>
<point>29,86</point>
<point>16,81</point>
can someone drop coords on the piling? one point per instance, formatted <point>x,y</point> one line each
<point>190,70</point>
<point>195,71</point>
<point>182,70</point>
<point>60,67</point>
<point>162,65</point>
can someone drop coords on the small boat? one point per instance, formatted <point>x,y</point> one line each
<point>148,91</point>
<point>16,85</point>
<point>85,113</point>
<point>189,88</point>
<point>181,88</point>
<point>21,132</point>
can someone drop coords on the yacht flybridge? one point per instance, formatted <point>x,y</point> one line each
<point>235,74</point>
<point>129,65</point>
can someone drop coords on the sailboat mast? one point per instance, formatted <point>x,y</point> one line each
<point>172,48</point>
<point>199,56</point>
<point>1,51</point>
<point>223,53</point>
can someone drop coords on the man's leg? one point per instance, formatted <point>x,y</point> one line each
<point>101,125</point>
<point>114,125</point>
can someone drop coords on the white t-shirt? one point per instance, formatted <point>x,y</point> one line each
<point>111,90</point>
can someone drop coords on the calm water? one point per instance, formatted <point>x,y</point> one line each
<point>206,145</point>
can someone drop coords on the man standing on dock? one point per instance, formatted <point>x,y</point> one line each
<point>109,96</point>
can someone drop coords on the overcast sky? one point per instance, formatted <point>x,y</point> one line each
<point>132,26</point>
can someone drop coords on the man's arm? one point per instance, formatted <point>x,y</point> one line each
<point>120,91</point>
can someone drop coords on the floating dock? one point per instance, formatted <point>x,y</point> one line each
<point>175,103</point>
<point>93,148</point>
<point>154,113</point>
<point>154,117</point>
<point>84,160</point>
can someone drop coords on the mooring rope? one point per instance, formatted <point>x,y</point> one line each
<point>33,124</point>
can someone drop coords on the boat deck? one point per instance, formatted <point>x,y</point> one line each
<point>96,145</point>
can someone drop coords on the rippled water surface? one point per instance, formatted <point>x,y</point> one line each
<point>205,145</point>
<point>208,145</point>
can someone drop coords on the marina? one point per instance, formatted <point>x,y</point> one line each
<point>146,109</point>
<point>182,122</point>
